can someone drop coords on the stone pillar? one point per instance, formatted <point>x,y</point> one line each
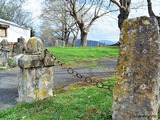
<point>56,43</point>
<point>19,46</point>
<point>63,43</point>
<point>5,49</point>
<point>35,80</point>
<point>136,91</point>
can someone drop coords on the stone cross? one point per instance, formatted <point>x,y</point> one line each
<point>35,80</point>
<point>136,92</point>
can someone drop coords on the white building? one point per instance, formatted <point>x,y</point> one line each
<point>11,31</point>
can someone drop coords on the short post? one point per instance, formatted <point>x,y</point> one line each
<point>19,46</point>
<point>5,49</point>
<point>55,43</point>
<point>136,92</point>
<point>63,43</point>
<point>35,80</point>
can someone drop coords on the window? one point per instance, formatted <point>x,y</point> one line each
<point>3,30</point>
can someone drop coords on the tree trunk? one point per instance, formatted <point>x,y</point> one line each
<point>124,12</point>
<point>74,41</point>
<point>84,38</point>
<point>151,13</point>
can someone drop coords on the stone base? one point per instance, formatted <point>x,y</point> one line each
<point>35,83</point>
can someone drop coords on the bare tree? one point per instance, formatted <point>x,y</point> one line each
<point>61,23</point>
<point>13,11</point>
<point>85,13</point>
<point>124,8</point>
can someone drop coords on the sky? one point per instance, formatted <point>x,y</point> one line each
<point>105,28</point>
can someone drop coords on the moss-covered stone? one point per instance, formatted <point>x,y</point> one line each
<point>34,46</point>
<point>35,80</point>
<point>136,90</point>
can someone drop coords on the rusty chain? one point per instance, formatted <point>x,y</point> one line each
<point>71,71</point>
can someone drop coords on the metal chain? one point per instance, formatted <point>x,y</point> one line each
<point>71,71</point>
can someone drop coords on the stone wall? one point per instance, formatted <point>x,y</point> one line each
<point>136,92</point>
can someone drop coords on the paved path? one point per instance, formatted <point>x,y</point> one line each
<point>9,82</point>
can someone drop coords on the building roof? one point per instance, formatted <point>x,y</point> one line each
<point>12,23</point>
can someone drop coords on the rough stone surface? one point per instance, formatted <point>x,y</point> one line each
<point>35,80</point>
<point>35,83</point>
<point>30,61</point>
<point>48,59</point>
<point>5,45</point>
<point>19,46</point>
<point>136,91</point>
<point>34,46</point>
<point>63,44</point>
<point>56,43</point>
<point>4,52</point>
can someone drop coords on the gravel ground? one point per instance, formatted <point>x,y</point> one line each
<point>9,82</point>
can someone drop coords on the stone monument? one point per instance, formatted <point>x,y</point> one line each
<point>136,92</point>
<point>19,46</point>
<point>35,79</point>
<point>4,52</point>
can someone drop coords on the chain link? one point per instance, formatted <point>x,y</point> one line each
<point>88,80</point>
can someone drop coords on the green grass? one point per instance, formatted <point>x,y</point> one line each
<point>78,102</point>
<point>3,68</point>
<point>82,102</point>
<point>74,54</point>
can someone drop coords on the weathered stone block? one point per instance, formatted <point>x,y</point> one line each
<point>30,61</point>
<point>34,46</point>
<point>63,43</point>
<point>5,45</point>
<point>35,80</point>
<point>56,43</point>
<point>136,92</point>
<point>35,83</point>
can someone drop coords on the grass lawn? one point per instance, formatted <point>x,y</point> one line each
<point>77,103</point>
<point>74,54</point>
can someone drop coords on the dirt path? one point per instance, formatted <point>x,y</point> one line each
<point>105,67</point>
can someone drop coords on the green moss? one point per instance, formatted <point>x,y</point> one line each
<point>37,92</point>
<point>32,41</point>
<point>44,92</point>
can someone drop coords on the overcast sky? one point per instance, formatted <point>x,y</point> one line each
<point>105,28</point>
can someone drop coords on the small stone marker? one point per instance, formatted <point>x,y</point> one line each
<point>56,43</point>
<point>4,52</point>
<point>63,43</point>
<point>136,92</point>
<point>19,46</point>
<point>5,45</point>
<point>35,80</point>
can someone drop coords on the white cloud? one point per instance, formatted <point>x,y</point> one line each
<point>35,7</point>
<point>105,28</point>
